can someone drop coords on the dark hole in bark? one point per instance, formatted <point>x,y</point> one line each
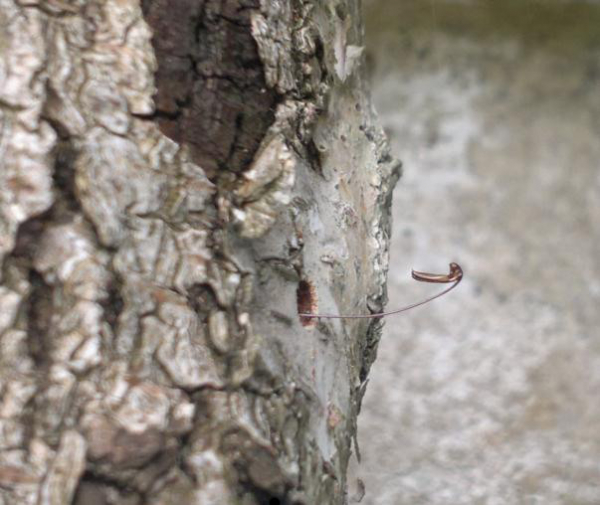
<point>264,497</point>
<point>113,305</point>
<point>202,299</point>
<point>64,177</point>
<point>307,302</point>
<point>39,312</point>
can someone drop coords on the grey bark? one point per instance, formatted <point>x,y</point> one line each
<point>158,236</point>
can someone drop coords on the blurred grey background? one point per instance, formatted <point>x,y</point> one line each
<point>491,394</point>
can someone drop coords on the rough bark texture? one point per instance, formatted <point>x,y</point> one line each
<point>154,256</point>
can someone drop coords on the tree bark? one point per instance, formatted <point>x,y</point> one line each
<point>178,179</point>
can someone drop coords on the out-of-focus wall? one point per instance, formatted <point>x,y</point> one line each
<point>490,395</point>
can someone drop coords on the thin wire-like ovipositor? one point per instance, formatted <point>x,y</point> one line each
<point>455,276</point>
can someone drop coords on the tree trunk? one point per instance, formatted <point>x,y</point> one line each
<point>178,179</point>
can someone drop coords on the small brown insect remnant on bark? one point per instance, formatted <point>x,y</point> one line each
<point>306,297</point>
<point>455,276</point>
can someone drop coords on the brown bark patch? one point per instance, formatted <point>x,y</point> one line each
<point>211,91</point>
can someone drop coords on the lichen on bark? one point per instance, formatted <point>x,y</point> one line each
<point>153,240</point>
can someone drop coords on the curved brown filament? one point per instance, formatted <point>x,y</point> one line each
<point>455,276</point>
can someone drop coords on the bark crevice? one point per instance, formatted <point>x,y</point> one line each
<point>211,93</point>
